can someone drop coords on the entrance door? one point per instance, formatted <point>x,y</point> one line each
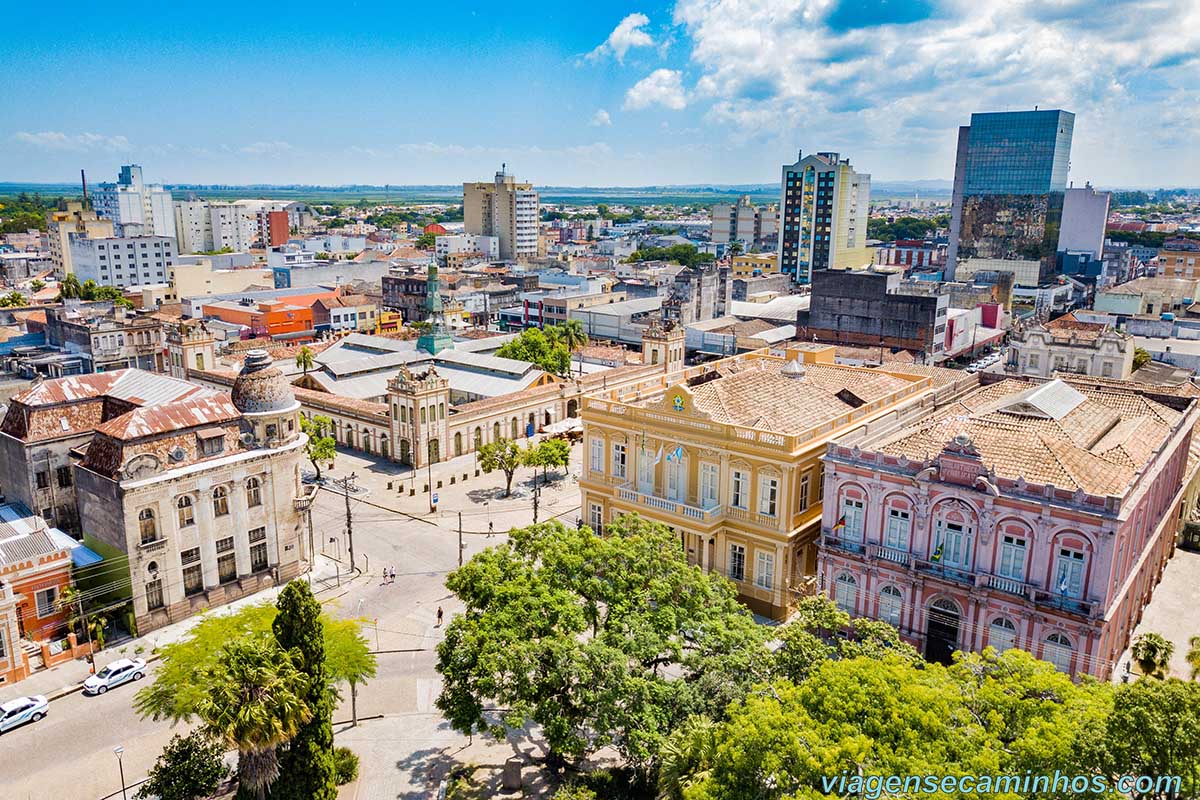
<point>20,623</point>
<point>941,631</point>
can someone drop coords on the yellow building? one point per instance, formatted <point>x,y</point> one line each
<point>201,278</point>
<point>728,455</point>
<point>1179,258</point>
<point>750,263</point>
<point>75,220</point>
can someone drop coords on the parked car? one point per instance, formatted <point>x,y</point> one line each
<point>22,710</point>
<point>116,673</point>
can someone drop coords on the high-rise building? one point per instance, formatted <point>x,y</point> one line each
<point>753,226</point>
<point>204,226</point>
<point>823,218</point>
<point>135,207</point>
<point>77,220</point>
<point>505,209</point>
<point>1009,178</point>
<point>123,261</point>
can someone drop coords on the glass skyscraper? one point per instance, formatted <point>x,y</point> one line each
<point>1009,179</point>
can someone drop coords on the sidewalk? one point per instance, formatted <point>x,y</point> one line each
<point>480,499</point>
<point>68,678</point>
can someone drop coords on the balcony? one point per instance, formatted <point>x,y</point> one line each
<point>1068,604</point>
<point>155,546</point>
<point>946,572</point>
<point>1007,585</point>
<point>843,545</point>
<point>704,515</point>
<point>755,517</point>
<point>901,557</point>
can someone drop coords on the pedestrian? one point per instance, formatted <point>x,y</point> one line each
<point>385,577</point>
<point>391,574</point>
<point>439,622</point>
<point>491,529</point>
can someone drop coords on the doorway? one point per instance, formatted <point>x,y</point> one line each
<point>942,621</point>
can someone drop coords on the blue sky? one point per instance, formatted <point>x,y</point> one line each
<point>696,91</point>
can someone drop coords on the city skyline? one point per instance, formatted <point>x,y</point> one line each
<point>699,91</point>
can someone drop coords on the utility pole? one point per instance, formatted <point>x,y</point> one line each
<point>87,629</point>
<point>536,493</point>
<point>346,484</point>
<point>460,542</point>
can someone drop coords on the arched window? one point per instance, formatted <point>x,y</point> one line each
<point>547,422</point>
<point>253,492</point>
<point>147,527</point>
<point>441,410</point>
<point>845,592</point>
<point>404,413</point>
<point>1002,634</point>
<point>423,420</point>
<point>1058,651</point>
<point>220,499</point>
<point>187,514</point>
<point>891,604</point>
<point>478,437</point>
<point>496,431</point>
<point>458,443</point>
<point>515,433</point>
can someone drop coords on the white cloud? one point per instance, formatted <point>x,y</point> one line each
<point>801,72</point>
<point>269,149</point>
<point>663,87</point>
<point>75,142</point>
<point>600,119</point>
<point>627,35</point>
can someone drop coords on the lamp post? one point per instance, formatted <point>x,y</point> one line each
<point>118,750</point>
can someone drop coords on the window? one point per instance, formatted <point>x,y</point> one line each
<point>595,516</point>
<point>954,542</point>
<point>852,519</point>
<point>891,603</point>
<point>764,570</point>
<point>1002,634</point>
<point>739,489</point>
<point>618,460</point>
<point>43,479</point>
<point>1012,558</point>
<point>1058,652</point>
<point>220,499</point>
<point>212,445</point>
<point>185,510</point>
<point>898,526</point>
<point>64,476</point>
<point>710,482</point>
<point>47,601</point>
<point>805,488</point>
<point>1068,574</point>
<point>226,560</point>
<point>645,472</point>
<point>193,574</point>
<point>821,484</point>
<point>258,549</point>
<point>253,492</point>
<point>677,483</point>
<point>768,495</point>
<point>147,527</point>
<point>154,594</point>
<point>845,593</point>
<point>737,562</point>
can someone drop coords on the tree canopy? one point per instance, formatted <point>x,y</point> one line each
<point>545,349</point>
<point>321,447</point>
<point>904,227</point>
<point>686,254</point>
<point>503,455</point>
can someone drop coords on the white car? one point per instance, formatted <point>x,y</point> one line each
<point>22,710</point>
<point>116,673</point>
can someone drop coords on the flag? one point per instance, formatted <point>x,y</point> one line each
<point>658,457</point>
<point>840,525</point>
<point>937,554</point>
<point>1063,584</point>
<point>676,454</point>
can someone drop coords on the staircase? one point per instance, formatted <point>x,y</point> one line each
<point>33,654</point>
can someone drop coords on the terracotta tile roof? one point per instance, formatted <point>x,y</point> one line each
<point>1096,441</point>
<point>872,354</point>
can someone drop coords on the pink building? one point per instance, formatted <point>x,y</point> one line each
<point>1027,514</point>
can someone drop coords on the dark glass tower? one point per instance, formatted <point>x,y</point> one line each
<point>1009,179</point>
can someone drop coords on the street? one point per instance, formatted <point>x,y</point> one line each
<point>70,754</point>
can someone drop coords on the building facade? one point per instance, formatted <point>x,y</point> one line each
<point>1036,515</point>
<point>202,495</point>
<point>1009,179</point>
<point>123,261</point>
<point>76,221</point>
<point>753,226</point>
<point>135,207</point>
<point>507,210</point>
<point>823,216</point>
<point>1069,346</point>
<point>107,336</point>
<point>1179,258</point>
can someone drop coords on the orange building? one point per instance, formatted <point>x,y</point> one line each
<point>277,228</point>
<point>268,318</point>
<point>35,568</point>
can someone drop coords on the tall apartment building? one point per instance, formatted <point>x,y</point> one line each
<point>1010,176</point>
<point>123,261</point>
<point>1084,218</point>
<point>823,217</point>
<point>204,226</point>
<point>507,210</point>
<point>135,207</point>
<point>76,220</point>
<point>753,226</point>
<point>1179,258</point>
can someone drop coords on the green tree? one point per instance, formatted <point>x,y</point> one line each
<point>545,349</point>
<point>69,288</point>
<point>12,300</point>
<point>1193,656</point>
<point>1141,357</point>
<point>735,248</point>
<point>321,446</point>
<point>37,285</point>
<point>599,640</point>
<point>426,241</point>
<point>503,455</point>
<point>304,359</point>
<point>254,702</point>
<point>1154,729</point>
<point>190,767</point>
<point>1152,652</point>
<point>686,757</point>
<point>306,768</point>
<point>573,337</point>
<point>685,254</point>
<point>348,656</point>
<point>547,454</point>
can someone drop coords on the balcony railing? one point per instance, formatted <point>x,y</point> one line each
<point>901,557</point>
<point>1007,585</point>
<point>1068,604</point>
<point>845,545</point>
<point>698,513</point>
<point>946,571</point>
<point>750,515</point>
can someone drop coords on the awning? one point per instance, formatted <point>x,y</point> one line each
<point>81,555</point>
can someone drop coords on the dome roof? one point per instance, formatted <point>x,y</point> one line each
<point>261,387</point>
<point>793,369</point>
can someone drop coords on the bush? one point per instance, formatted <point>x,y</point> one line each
<point>345,765</point>
<point>189,768</point>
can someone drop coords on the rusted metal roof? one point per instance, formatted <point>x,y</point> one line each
<point>212,408</point>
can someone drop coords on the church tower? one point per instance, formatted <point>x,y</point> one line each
<point>419,405</point>
<point>437,338</point>
<point>190,346</point>
<point>663,343</point>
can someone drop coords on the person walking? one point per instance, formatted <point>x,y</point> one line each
<point>391,574</point>
<point>439,617</point>
<point>491,529</point>
<point>385,577</point>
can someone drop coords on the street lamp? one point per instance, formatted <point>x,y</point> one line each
<point>118,750</point>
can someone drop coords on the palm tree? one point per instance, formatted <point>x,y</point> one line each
<point>1152,652</point>
<point>304,360</point>
<point>572,334</point>
<point>255,703</point>
<point>687,757</point>
<point>69,288</point>
<point>735,248</point>
<point>1193,656</point>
